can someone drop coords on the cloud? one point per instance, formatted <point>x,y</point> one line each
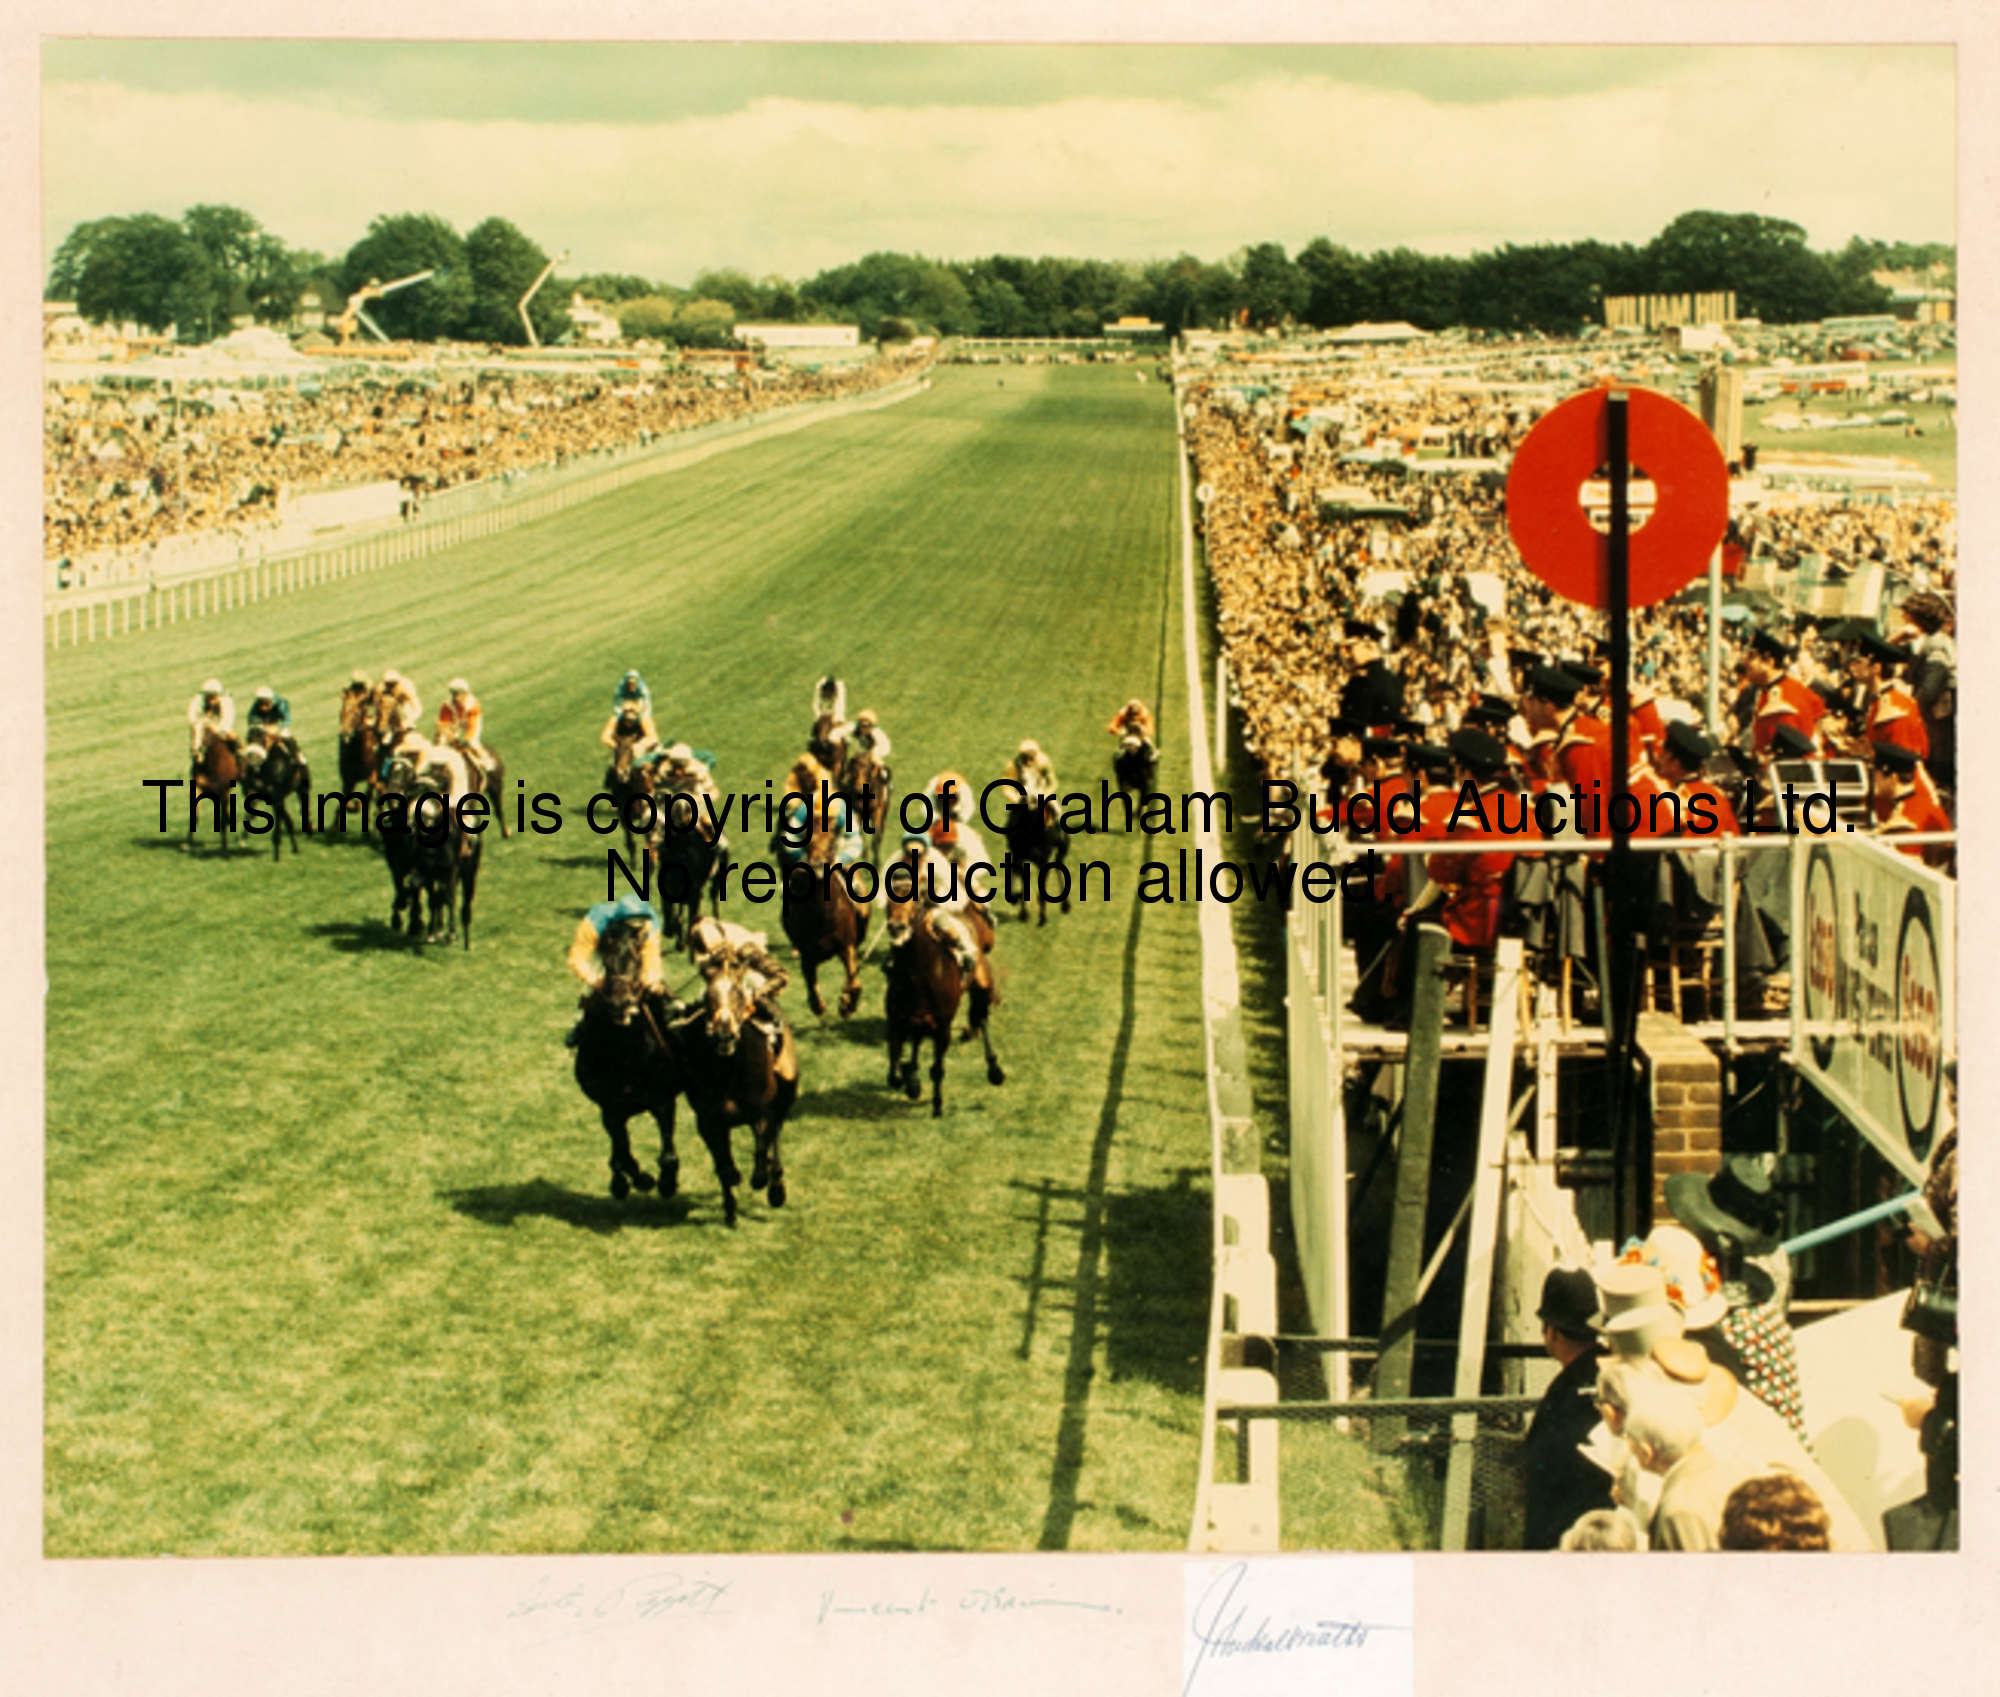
<point>1844,144</point>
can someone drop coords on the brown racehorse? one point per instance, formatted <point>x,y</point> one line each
<point>923,996</point>
<point>216,775</point>
<point>360,751</point>
<point>865,784</point>
<point>830,751</point>
<point>734,1075</point>
<point>825,923</point>
<point>625,779</point>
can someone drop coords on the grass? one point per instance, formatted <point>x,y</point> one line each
<point>1936,450</point>
<point>331,1266</point>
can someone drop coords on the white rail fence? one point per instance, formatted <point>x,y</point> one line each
<point>103,611</point>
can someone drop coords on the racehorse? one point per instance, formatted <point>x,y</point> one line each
<point>865,784</point>
<point>687,864</point>
<point>399,844</point>
<point>360,749</point>
<point>825,923</point>
<point>217,772</point>
<point>1034,839</point>
<point>626,1064</point>
<point>626,777</point>
<point>445,860</point>
<point>489,780</point>
<point>734,1074</point>
<point>1135,764</point>
<point>273,773</point>
<point>830,751</point>
<point>922,1000</point>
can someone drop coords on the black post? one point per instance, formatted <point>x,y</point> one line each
<point>1622,1016</point>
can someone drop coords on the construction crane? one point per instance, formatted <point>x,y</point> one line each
<point>527,323</point>
<point>371,290</point>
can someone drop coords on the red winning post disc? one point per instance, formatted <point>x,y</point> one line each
<point>1545,512</point>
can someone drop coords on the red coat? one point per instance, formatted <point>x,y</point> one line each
<point>1917,809</point>
<point>1893,717</point>
<point>1473,884</point>
<point>1786,702</point>
<point>1583,755</point>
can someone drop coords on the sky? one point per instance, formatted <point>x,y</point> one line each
<point>665,159</point>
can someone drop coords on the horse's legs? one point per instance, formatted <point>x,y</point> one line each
<point>625,1171</point>
<point>895,1056</point>
<point>850,994</point>
<point>670,1163</point>
<point>775,1193</point>
<point>993,1073</point>
<point>716,1136</point>
<point>468,880</point>
<point>809,965</point>
<point>939,1043</point>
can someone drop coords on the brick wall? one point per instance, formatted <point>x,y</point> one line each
<point>1684,1081</point>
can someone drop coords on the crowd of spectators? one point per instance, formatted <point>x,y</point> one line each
<point>1317,506</point>
<point>124,466</point>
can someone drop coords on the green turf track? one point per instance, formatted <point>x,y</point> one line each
<point>331,1265</point>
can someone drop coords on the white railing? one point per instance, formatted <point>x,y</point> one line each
<point>474,510</point>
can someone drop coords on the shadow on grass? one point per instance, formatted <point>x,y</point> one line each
<point>1086,1294</point>
<point>503,1204</point>
<point>363,936</point>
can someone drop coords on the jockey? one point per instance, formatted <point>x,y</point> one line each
<point>1030,769</point>
<point>678,770</point>
<point>1135,718</point>
<point>720,945</point>
<point>830,698</point>
<point>869,737</point>
<point>633,693</point>
<point>357,704</point>
<point>269,720</point>
<point>804,779</point>
<point>211,712</point>
<point>599,936</point>
<point>397,708</point>
<point>944,913</point>
<point>460,717</point>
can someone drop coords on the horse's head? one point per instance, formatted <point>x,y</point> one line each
<point>727,1006</point>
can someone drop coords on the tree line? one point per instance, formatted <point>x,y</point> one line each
<point>218,265</point>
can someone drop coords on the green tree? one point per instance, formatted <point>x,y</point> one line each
<point>646,318</point>
<point>503,265</point>
<point>1334,284</point>
<point>1274,289</point>
<point>735,287</point>
<point>1765,260</point>
<point>66,267</point>
<point>400,245</point>
<point>704,324</point>
<point>613,287</point>
<point>148,270</point>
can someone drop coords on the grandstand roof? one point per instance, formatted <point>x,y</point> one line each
<point>1397,332</point>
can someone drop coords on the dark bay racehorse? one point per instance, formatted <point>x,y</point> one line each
<point>687,864</point>
<point>489,780</point>
<point>625,778</point>
<point>216,775</point>
<point>444,865</point>
<point>825,923</point>
<point>922,1000</point>
<point>626,1065</point>
<point>1035,841</point>
<point>734,1074</point>
<point>1135,764</point>
<point>399,847</point>
<point>275,774</point>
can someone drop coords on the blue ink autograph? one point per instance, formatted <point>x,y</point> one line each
<point>1220,1633</point>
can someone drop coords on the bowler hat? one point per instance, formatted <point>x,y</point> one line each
<point>1569,1299</point>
